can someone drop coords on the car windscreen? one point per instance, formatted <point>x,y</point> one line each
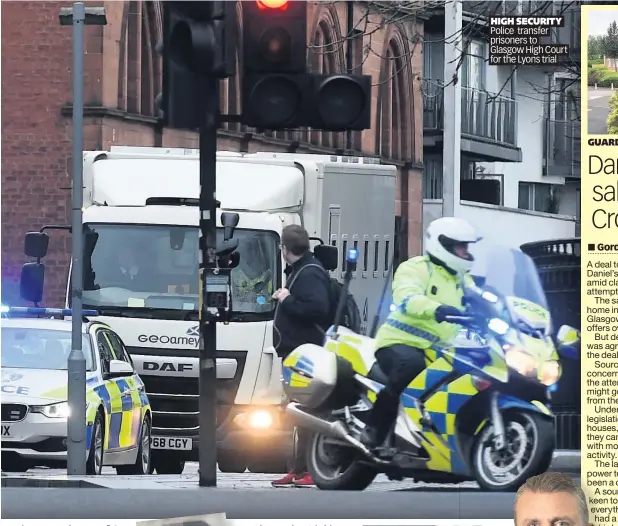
<point>40,348</point>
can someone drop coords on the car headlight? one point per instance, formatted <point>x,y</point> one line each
<point>59,410</point>
<point>550,372</point>
<point>520,361</point>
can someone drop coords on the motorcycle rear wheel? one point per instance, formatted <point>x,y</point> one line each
<point>337,468</point>
<point>529,450</point>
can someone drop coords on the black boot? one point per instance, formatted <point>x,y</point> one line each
<point>370,437</point>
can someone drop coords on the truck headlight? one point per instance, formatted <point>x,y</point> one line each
<point>59,410</point>
<point>260,419</point>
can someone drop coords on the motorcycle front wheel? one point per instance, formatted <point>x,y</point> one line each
<point>337,467</point>
<point>528,451</point>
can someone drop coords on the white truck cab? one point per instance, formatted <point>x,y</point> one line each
<point>141,274</point>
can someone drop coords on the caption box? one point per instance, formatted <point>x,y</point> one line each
<point>524,40</point>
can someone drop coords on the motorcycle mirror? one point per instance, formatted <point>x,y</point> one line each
<point>570,352</point>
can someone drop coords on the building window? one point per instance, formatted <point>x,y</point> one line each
<point>473,67</point>
<point>432,177</point>
<point>539,197</point>
<point>393,111</point>
<point>323,55</point>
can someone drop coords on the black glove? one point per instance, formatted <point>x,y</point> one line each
<point>446,310</point>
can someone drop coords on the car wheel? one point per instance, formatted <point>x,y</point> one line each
<point>16,465</point>
<point>94,464</point>
<point>143,461</point>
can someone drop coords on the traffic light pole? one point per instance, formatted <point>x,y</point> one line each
<point>208,102</point>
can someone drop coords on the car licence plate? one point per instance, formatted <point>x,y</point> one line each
<point>182,444</point>
<point>6,432</point>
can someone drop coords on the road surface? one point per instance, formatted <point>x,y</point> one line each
<point>598,110</point>
<point>247,496</point>
<point>114,504</point>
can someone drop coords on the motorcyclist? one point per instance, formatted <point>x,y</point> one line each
<point>426,290</point>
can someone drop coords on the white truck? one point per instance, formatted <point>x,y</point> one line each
<point>141,274</point>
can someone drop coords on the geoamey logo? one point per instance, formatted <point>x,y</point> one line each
<point>192,339</point>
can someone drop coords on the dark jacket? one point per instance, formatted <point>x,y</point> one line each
<point>304,316</point>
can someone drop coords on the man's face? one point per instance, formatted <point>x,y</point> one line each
<point>286,254</point>
<point>461,251</point>
<point>548,509</point>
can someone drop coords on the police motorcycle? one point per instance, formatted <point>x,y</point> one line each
<point>480,410</point>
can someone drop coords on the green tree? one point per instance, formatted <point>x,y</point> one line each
<point>595,47</point>
<point>610,42</point>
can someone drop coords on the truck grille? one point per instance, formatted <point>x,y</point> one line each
<point>13,412</point>
<point>175,400</point>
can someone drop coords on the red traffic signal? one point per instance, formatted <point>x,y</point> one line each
<point>280,5</point>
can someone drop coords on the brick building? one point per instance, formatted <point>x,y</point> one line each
<point>123,76</point>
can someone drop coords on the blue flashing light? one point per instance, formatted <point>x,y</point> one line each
<point>4,309</point>
<point>46,312</point>
<point>352,255</point>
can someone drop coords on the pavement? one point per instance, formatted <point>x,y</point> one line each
<point>598,110</point>
<point>50,494</point>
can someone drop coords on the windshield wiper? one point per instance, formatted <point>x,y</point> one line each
<point>143,312</point>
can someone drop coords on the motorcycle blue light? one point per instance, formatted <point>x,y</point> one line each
<point>352,255</point>
<point>498,326</point>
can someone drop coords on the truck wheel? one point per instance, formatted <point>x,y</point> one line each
<point>272,466</point>
<point>144,458</point>
<point>229,463</point>
<point>169,466</point>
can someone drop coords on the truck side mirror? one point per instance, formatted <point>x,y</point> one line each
<point>327,255</point>
<point>36,244</point>
<point>229,220</point>
<point>31,282</point>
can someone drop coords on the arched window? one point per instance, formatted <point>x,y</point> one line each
<point>139,75</point>
<point>394,116</point>
<point>323,55</point>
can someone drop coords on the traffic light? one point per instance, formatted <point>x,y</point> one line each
<point>274,86</point>
<point>340,102</point>
<point>277,90</point>
<point>199,39</point>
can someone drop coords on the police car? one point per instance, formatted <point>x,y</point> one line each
<point>34,404</point>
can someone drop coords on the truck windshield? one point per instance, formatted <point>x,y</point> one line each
<point>141,268</point>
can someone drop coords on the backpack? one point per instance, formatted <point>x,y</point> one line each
<point>351,313</point>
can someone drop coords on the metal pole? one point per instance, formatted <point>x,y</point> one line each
<point>209,101</point>
<point>451,155</point>
<point>76,443</point>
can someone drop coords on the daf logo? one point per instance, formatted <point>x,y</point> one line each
<point>167,367</point>
<point>193,331</point>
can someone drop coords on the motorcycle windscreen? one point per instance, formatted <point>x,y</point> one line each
<point>513,275</point>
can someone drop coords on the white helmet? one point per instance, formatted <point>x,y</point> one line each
<point>443,235</point>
